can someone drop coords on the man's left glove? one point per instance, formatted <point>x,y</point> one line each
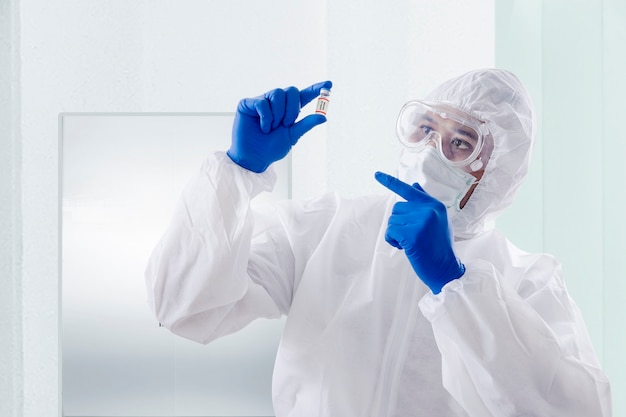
<point>420,227</point>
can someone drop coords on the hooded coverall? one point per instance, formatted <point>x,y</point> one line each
<point>363,335</point>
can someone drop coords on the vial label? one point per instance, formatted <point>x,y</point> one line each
<point>323,101</point>
<point>322,105</point>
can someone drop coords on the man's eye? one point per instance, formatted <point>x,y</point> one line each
<point>426,129</point>
<point>461,144</point>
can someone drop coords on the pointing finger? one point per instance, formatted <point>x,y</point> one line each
<point>399,187</point>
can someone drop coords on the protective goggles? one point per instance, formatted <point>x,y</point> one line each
<point>458,136</point>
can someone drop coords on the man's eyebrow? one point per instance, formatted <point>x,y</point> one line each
<point>463,130</point>
<point>428,118</point>
<point>467,132</point>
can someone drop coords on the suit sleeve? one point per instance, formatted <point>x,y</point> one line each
<point>198,280</point>
<point>507,354</point>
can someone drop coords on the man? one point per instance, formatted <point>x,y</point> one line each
<point>410,304</point>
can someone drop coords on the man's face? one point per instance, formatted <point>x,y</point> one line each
<point>455,135</point>
<point>456,141</point>
<point>462,140</point>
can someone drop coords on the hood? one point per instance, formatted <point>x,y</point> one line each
<point>498,98</point>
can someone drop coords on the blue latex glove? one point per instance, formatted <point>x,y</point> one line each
<point>420,227</point>
<point>265,127</point>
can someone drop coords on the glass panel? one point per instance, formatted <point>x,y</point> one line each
<point>121,178</point>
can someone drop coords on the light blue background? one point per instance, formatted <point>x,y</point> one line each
<point>571,55</point>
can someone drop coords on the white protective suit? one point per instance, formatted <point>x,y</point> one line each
<point>364,336</point>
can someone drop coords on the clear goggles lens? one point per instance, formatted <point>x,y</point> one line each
<point>457,135</point>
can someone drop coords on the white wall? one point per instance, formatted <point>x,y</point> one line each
<point>10,215</point>
<point>121,56</point>
<point>117,56</point>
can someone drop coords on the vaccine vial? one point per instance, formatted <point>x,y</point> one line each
<point>322,101</point>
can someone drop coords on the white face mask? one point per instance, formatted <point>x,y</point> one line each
<point>445,183</point>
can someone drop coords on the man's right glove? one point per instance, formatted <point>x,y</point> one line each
<point>265,127</point>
